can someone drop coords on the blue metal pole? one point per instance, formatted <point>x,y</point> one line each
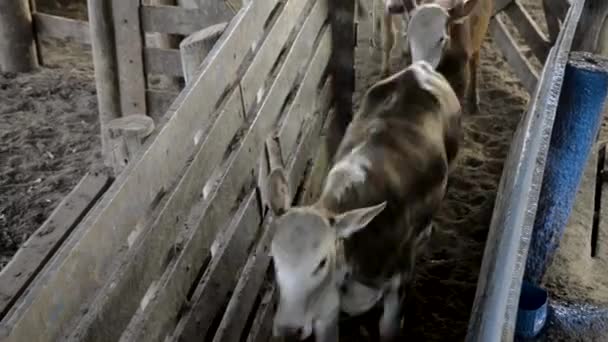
<point>575,129</point>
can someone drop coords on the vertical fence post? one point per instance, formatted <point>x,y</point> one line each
<point>106,69</point>
<point>17,49</point>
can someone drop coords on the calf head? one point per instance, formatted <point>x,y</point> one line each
<point>428,30</point>
<point>306,256</point>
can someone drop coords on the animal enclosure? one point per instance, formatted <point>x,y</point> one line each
<point>175,246</point>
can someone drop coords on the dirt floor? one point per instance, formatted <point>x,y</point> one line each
<point>49,135</point>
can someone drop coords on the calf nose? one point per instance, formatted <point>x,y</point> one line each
<point>396,8</point>
<point>290,333</point>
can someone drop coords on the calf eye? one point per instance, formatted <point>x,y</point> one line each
<point>320,266</point>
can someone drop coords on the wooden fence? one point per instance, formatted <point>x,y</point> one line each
<point>176,248</point>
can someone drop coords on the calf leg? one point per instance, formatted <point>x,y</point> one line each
<point>473,92</point>
<point>388,42</point>
<point>390,321</point>
<point>326,330</point>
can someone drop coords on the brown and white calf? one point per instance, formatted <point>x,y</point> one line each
<point>355,247</point>
<point>392,18</point>
<point>449,34</point>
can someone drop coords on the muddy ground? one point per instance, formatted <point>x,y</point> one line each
<point>49,134</point>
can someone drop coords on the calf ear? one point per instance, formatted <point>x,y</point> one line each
<point>278,192</point>
<point>352,221</point>
<point>461,10</point>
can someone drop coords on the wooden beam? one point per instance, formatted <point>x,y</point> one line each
<point>62,28</point>
<point>150,322</point>
<point>103,46</point>
<point>195,48</point>
<point>159,102</point>
<point>163,61</point>
<point>127,135</point>
<point>177,20</point>
<point>528,29</point>
<point>46,240</point>
<point>127,204</point>
<point>592,26</point>
<point>555,11</point>
<point>17,48</point>
<point>522,67</point>
<point>500,5</point>
<point>129,52</point>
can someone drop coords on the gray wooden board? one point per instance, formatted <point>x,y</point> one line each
<point>253,87</point>
<point>222,273</point>
<point>145,261</point>
<point>526,73</point>
<point>129,47</point>
<point>163,61</point>
<point>261,328</point>
<point>252,277</point>
<point>500,5</point>
<point>210,294</point>
<point>151,322</point>
<point>87,254</point>
<point>159,102</point>
<point>535,38</point>
<point>178,20</point>
<point>41,245</point>
<point>63,28</point>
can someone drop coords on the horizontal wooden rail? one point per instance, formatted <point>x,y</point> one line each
<point>159,102</point>
<point>163,61</point>
<point>177,20</point>
<point>48,25</point>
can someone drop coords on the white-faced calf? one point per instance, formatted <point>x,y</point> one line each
<point>449,34</point>
<point>355,247</point>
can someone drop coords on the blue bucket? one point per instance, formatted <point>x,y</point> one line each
<point>532,311</point>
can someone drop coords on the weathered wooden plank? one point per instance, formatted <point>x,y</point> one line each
<point>591,34</point>
<point>261,328</point>
<point>145,261</point>
<point>252,277</point>
<point>104,233</point>
<point>522,67</point>
<point>159,102</point>
<point>151,321</point>
<point>129,46</point>
<point>222,273</point>
<point>178,20</point>
<point>500,5</point>
<point>63,28</point>
<point>535,38</point>
<point>271,47</point>
<point>163,61</point>
<point>41,246</point>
